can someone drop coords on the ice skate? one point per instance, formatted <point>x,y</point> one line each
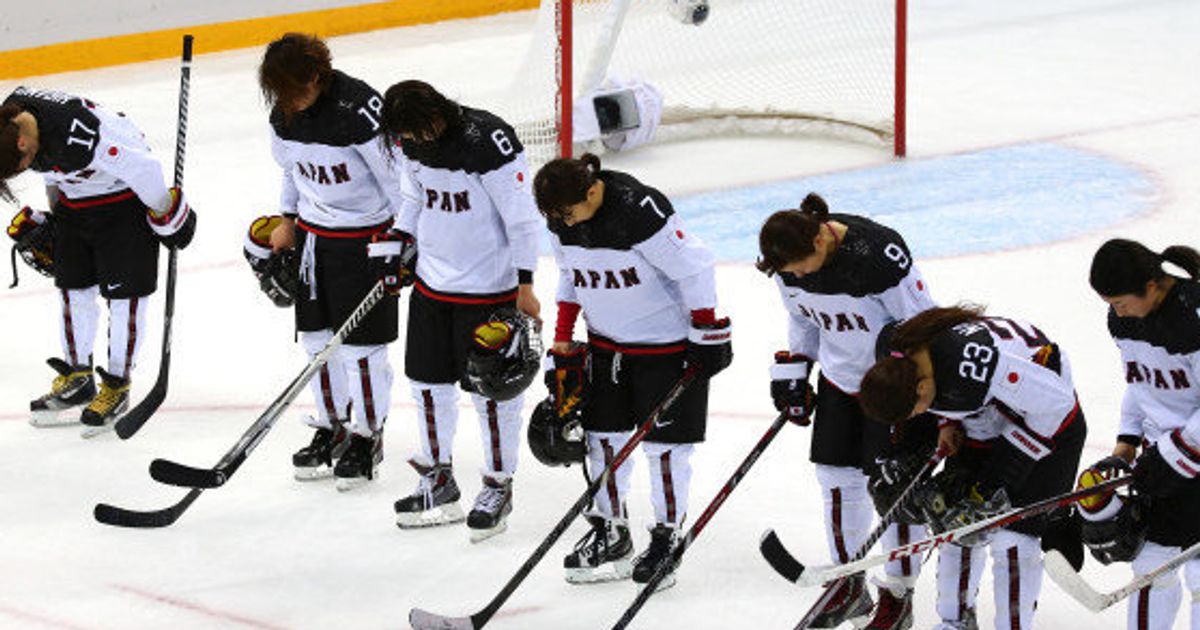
<point>966,622</point>
<point>662,543</point>
<point>604,554</point>
<point>489,516</point>
<point>851,602</point>
<point>110,402</point>
<point>434,502</point>
<point>893,612</point>
<point>73,387</point>
<point>359,463</point>
<point>315,461</point>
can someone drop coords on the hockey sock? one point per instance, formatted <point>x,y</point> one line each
<point>328,385</point>
<point>370,384</point>
<point>126,330</point>
<point>959,570</point>
<point>848,509</point>
<point>437,420</point>
<point>500,428</point>
<point>1155,607</point>
<point>902,574</point>
<point>1016,577</point>
<point>77,328</point>
<point>602,449</point>
<point>670,478</point>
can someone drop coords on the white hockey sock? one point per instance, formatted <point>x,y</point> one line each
<point>670,479</point>
<point>369,375</point>
<point>1155,607</point>
<point>126,330</point>
<point>1016,578</point>
<point>437,420</point>
<point>329,387</point>
<point>602,449</point>
<point>77,328</point>
<point>848,509</point>
<point>500,429</point>
<point>902,574</point>
<point>959,570</point>
<point>1191,574</point>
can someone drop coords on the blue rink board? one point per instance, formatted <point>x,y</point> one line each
<point>960,204</point>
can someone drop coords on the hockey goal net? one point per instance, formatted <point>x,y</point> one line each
<point>753,66</point>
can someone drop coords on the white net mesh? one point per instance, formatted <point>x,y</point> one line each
<point>754,66</point>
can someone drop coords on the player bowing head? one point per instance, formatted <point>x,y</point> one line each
<point>1155,322</point>
<point>648,293</point>
<point>842,278</point>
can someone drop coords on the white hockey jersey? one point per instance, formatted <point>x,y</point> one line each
<point>634,270</point>
<point>89,154</point>
<point>337,173</point>
<point>1161,355</point>
<point>1002,378</point>
<point>838,311</point>
<point>473,213</point>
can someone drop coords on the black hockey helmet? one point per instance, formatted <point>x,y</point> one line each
<point>505,355</point>
<point>556,440</point>
<point>1120,538</point>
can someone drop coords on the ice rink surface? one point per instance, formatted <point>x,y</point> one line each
<point>1100,96</point>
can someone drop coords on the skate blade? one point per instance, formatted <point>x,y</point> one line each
<point>480,535</point>
<point>664,584</point>
<point>607,572</point>
<point>90,432</point>
<point>52,418</point>
<point>347,484</point>
<point>441,515</point>
<point>312,474</point>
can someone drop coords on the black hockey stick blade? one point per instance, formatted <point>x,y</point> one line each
<point>424,620</point>
<point>128,424</point>
<point>121,517</point>
<point>174,474</point>
<point>780,559</point>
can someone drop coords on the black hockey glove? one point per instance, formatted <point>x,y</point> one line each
<point>952,499</point>
<point>174,225</point>
<point>567,378</point>
<point>1154,476</point>
<point>393,257</point>
<point>277,272</point>
<point>1064,534</point>
<point>887,480</point>
<point>710,346</point>
<point>33,235</point>
<point>790,390</point>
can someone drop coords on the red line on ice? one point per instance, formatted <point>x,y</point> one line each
<point>45,621</point>
<point>194,607</point>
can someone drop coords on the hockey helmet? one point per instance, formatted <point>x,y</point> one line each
<point>277,272</point>
<point>1121,537</point>
<point>556,440</point>
<point>505,355</point>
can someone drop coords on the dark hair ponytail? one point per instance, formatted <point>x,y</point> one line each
<point>564,182</point>
<point>888,391</point>
<point>787,236</point>
<point>1123,267</point>
<point>10,154</point>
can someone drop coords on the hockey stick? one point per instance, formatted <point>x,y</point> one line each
<point>770,540</point>
<point>795,571</point>
<point>133,420</point>
<point>1073,584</point>
<point>200,479</point>
<point>664,569</point>
<point>424,620</point>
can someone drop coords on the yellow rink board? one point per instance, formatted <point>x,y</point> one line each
<point>119,49</point>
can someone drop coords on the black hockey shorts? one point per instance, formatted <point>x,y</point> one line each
<point>105,241</point>
<point>1053,475</point>
<point>842,435</point>
<point>343,279</point>
<point>1175,521</point>
<point>625,388</point>
<point>440,330</point>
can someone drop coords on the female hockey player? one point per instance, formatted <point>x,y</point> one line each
<point>1011,390</point>
<point>648,293</point>
<point>842,278</point>
<point>476,230</point>
<point>1155,322</point>
<point>110,209</point>
<point>338,191</point>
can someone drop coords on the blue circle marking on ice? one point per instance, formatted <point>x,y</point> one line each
<point>960,204</point>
